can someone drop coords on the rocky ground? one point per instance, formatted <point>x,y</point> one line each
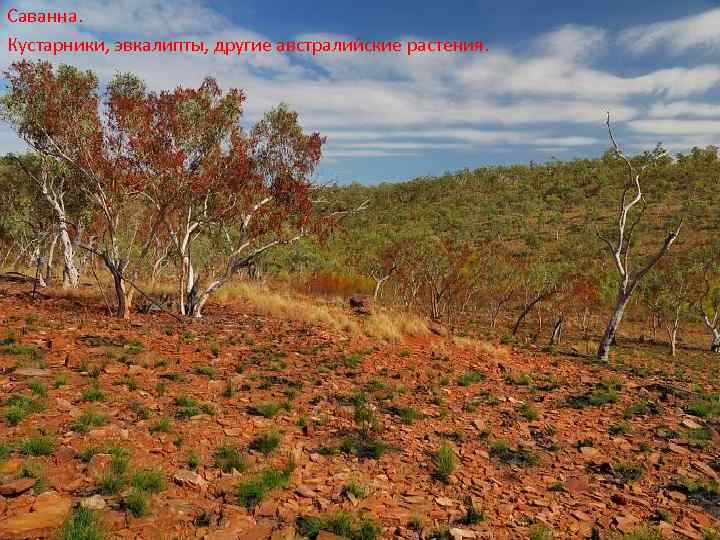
<point>242,426</point>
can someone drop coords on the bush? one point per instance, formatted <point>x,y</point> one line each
<point>136,503</point>
<point>252,492</point>
<point>38,446</point>
<point>470,377</point>
<point>149,480</point>
<point>340,524</point>
<point>82,524</point>
<point>268,410</point>
<point>266,443</point>
<point>518,456</point>
<point>228,458</point>
<point>444,461</point>
<point>90,418</point>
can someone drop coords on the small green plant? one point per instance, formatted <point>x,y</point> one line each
<point>518,456</point>
<point>473,516</point>
<point>61,379</point>
<point>355,489</point>
<point>37,388</point>
<point>193,460</point>
<point>408,415</point>
<point>18,406</point>
<point>83,524</point>
<point>267,442</point>
<point>352,360</point>
<point>229,457</point>
<point>148,480</point>
<point>539,532</point>
<point>444,461</point>
<point>627,471</point>
<point>340,524</point>
<point>528,411</point>
<point>136,503</point>
<point>89,419</point>
<point>114,477</point>
<point>268,410</point>
<point>93,394</point>
<point>618,429</point>
<point>38,446</point>
<point>163,425</point>
<point>208,371</point>
<point>141,411</point>
<point>251,492</point>
<point>470,377</point>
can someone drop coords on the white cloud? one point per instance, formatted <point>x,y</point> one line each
<point>679,35</point>
<point>376,105</point>
<point>675,127</point>
<point>684,108</point>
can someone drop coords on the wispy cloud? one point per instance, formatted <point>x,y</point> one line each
<point>676,36</point>
<point>548,95</point>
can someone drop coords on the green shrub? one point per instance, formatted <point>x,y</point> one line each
<point>38,446</point>
<point>149,480</point>
<point>229,457</point>
<point>470,377</point>
<point>251,492</point>
<point>268,410</point>
<point>444,462</point>
<point>518,456</point>
<point>136,503</point>
<point>83,524</point>
<point>266,443</point>
<point>89,419</point>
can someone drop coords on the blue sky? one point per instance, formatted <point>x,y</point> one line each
<point>542,90</point>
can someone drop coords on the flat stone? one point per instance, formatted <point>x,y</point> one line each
<point>32,372</point>
<point>46,515</point>
<point>17,487</point>
<point>96,502</point>
<point>190,478</point>
<point>459,534</point>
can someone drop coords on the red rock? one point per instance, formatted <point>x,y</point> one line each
<point>326,535</point>
<point>16,487</point>
<point>46,515</point>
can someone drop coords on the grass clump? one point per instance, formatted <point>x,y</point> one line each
<point>114,478</point>
<point>627,471</point>
<point>539,532</point>
<point>38,446</point>
<point>340,524</point>
<point>706,407</point>
<point>364,447</point>
<point>407,415</point>
<point>83,524</point>
<point>93,394</point>
<point>136,502</point>
<point>268,410</point>
<point>518,456</point>
<point>18,406</point>
<point>444,461</point>
<point>267,442</point>
<point>89,419</point>
<point>470,377</point>
<point>37,388</point>
<point>252,491</point>
<point>229,457</point>
<point>148,480</point>
<point>208,371</point>
<point>61,379</point>
<point>355,489</point>
<point>528,412</point>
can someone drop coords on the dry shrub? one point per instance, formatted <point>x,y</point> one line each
<point>393,326</point>
<point>285,306</point>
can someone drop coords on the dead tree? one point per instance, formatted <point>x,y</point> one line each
<point>620,247</point>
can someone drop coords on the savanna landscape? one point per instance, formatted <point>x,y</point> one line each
<point>199,339</point>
